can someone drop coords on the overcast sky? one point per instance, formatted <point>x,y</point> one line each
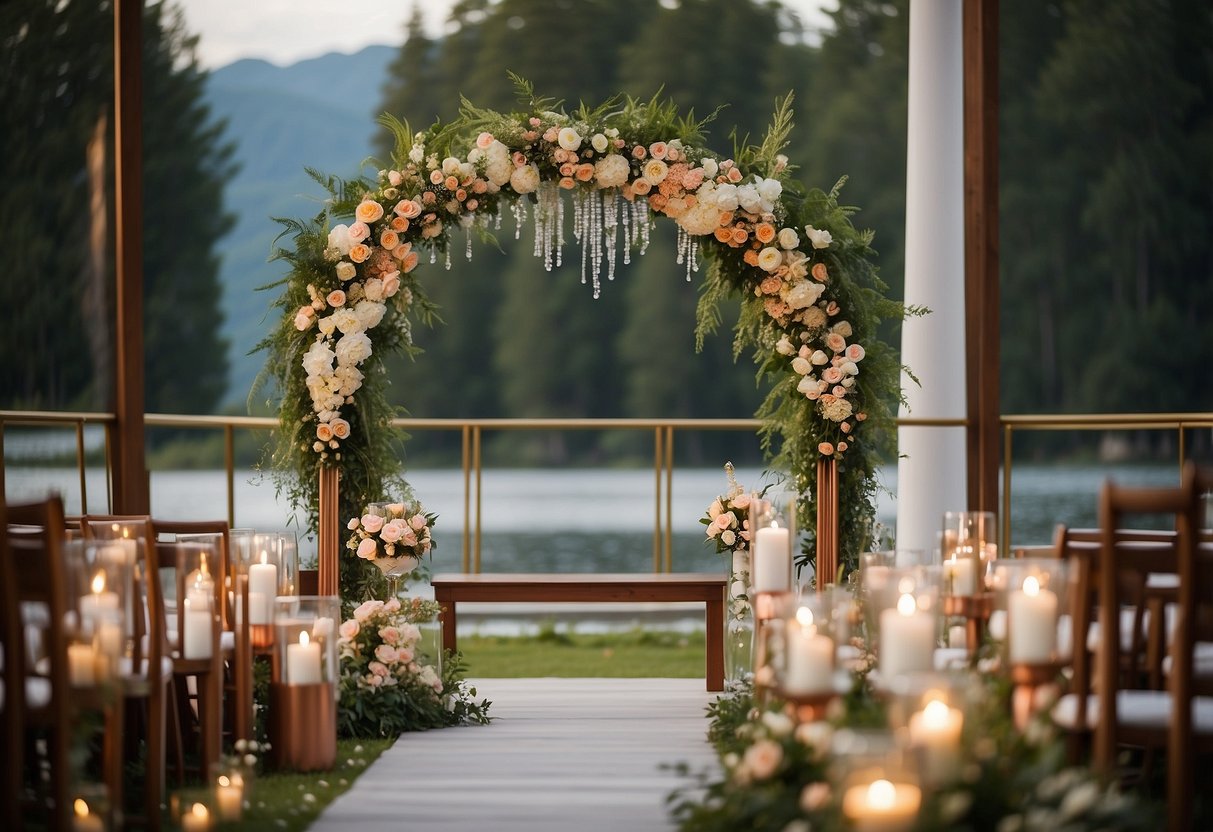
<point>285,31</point>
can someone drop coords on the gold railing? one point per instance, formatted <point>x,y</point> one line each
<point>663,431</point>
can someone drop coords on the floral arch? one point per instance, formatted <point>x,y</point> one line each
<point>810,297</point>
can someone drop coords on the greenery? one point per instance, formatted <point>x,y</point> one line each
<point>56,152</point>
<point>782,776</point>
<point>554,651</point>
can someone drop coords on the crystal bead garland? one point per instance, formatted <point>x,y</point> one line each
<point>610,222</point>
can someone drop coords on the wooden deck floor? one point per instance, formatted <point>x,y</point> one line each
<point>561,754</point>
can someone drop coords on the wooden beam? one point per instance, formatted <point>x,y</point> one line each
<point>130,483</point>
<point>980,30</point>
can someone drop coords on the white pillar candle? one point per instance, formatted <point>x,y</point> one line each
<point>936,730</point>
<point>772,560</point>
<point>97,603</point>
<point>83,820</point>
<point>810,658</point>
<point>82,665</point>
<point>303,662</point>
<point>958,637</point>
<point>229,796</point>
<point>196,639</point>
<point>907,639</point>
<point>882,806</point>
<point>1032,615</point>
<point>197,819</point>
<point>262,589</point>
<point>960,576</point>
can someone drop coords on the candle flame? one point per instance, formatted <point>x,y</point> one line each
<point>906,604</point>
<point>80,808</point>
<point>199,811</point>
<point>303,639</point>
<point>98,583</point>
<point>905,585</point>
<point>935,714</point>
<point>263,556</point>
<point>223,781</point>
<point>804,615</point>
<point>1031,586</point>
<point>882,794</point>
<point>202,569</point>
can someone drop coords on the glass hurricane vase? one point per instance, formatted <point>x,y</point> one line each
<point>739,624</point>
<point>393,570</point>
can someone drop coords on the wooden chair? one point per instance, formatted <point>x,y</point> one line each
<point>12,696</point>
<point>1175,719</point>
<point>207,674</point>
<point>147,673</point>
<point>38,687</point>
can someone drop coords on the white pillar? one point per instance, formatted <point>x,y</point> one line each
<point>931,472</point>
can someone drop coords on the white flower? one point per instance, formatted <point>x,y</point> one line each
<point>353,348</point>
<point>819,238</point>
<point>525,179</point>
<point>769,190</point>
<point>819,358</point>
<point>611,171</point>
<point>702,218</point>
<point>788,238</point>
<point>843,328</point>
<point>835,409</point>
<point>727,537</point>
<point>784,346</point>
<point>569,138</point>
<point>805,293</point>
<point>726,196</point>
<point>339,239</point>
<point>849,368</point>
<point>450,165</point>
<point>346,321</point>
<point>801,366</point>
<point>318,359</point>
<point>373,289</point>
<point>769,259</point>
<point>748,199</point>
<point>780,725</point>
<point>655,171</point>
<point>599,142</point>
<point>369,313</point>
<point>808,387</point>
<point>498,171</point>
<point>326,325</point>
<point>417,153</point>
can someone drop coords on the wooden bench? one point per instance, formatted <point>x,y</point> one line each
<point>450,589</point>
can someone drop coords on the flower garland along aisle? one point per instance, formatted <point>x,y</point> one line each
<point>810,297</point>
<point>728,527</point>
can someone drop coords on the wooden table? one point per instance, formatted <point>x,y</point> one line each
<point>451,588</point>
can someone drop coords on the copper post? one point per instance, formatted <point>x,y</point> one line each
<point>329,532</point>
<point>303,726</point>
<point>827,522</point>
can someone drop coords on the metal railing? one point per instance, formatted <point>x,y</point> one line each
<point>663,431</point>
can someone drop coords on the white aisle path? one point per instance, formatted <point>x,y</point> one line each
<point>561,754</point>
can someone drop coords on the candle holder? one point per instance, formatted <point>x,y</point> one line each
<point>197,813</point>
<point>879,790</point>
<point>99,592</point>
<point>927,714</point>
<point>198,588</point>
<point>272,571</point>
<point>805,677</point>
<point>770,611</point>
<point>303,686</point>
<point>969,541</point>
<point>91,811</point>
<point>906,605</point>
<point>739,626</point>
<point>230,783</point>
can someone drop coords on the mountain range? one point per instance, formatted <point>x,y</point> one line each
<point>317,113</point>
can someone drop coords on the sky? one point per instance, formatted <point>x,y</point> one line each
<point>285,31</point>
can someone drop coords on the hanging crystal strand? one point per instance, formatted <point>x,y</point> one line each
<point>626,213</point>
<point>433,255</point>
<point>643,205</point>
<point>680,246</point>
<point>559,225</point>
<point>693,259</point>
<point>543,239</point>
<point>468,235</point>
<point>610,209</point>
<point>595,206</point>
<point>519,210</point>
<point>579,220</point>
<point>447,265</point>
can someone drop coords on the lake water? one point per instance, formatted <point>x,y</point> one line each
<point>579,520</point>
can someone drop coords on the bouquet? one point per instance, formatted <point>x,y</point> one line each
<point>402,531</point>
<point>728,518</point>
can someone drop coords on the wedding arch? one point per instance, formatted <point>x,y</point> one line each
<point>810,297</point>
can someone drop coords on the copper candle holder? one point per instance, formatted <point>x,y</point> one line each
<point>975,610</point>
<point>808,707</point>
<point>303,726</point>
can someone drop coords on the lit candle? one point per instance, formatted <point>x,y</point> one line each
<point>83,820</point>
<point>907,639</point>
<point>82,665</point>
<point>882,806</point>
<point>810,659</point>
<point>960,574</point>
<point>772,560</point>
<point>1032,616</point>
<point>196,643</point>
<point>303,662</point>
<point>197,819</point>
<point>97,604</point>
<point>958,637</point>
<point>262,590</point>
<point>229,796</point>
<point>936,730</point>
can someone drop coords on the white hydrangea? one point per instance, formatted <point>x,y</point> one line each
<point>702,218</point>
<point>369,313</point>
<point>525,180</point>
<point>611,171</point>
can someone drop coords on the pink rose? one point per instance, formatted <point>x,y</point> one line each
<point>407,537</point>
<point>391,284</point>
<point>658,150</point>
<point>353,524</point>
<point>725,520</point>
<point>390,635</point>
<point>407,208</point>
<point>741,501</point>
<point>377,668</point>
<point>825,449</point>
<point>367,548</point>
<point>831,375</point>
<point>484,140</point>
<point>374,681</point>
<point>349,628</point>
<point>404,654</point>
<point>417,521</point>
<point>366,609</point>
<point>303,320</point>
<point>391,531</point>
<point>372,523</point>
<point>855,352</point>
<point>392,605</point>
<point>385,653</point>
<point>836,342</point>
<point>359,231</point>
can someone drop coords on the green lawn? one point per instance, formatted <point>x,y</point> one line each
<point>558,652</point>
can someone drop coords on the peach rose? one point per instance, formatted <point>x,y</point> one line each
<point>407,208</point>
<point>410,262</point>
<point>417,521</point>
<point>740,235</point>
<point>842,446</point>
<point>855,352</point>
<point>436,177</point>
<point>642,186</point>
<point>349,628</point>
<point>750,257</point>
<point>359,231</point>
<point>390,635</point>
<point>389,239</point>
<point>391,531</point>
<point>836,342</point>
<point>323,432</point>
<point>336,298</point>
<point>723,234</point>
<point>638,152</point>
<point>819,272</point>
<point>825,449</point>
<point>658,150</point>
<point>341,428</point>
<point>585,172</point>
<point>765,232</point>
<point>484,140</point>
<point>372,523</point>
<point>762,758</point>
<point>368,211</point>
<point>360,252</point>
<point>366,548</point>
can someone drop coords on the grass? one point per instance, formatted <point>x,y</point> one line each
<point>290,801</point>
<point>561,652</point>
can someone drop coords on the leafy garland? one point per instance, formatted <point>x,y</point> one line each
<point>810,306</point>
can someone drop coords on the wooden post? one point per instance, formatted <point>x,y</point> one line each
<point>980,37</point>
<point>328,534</point>
<point>827,522</point>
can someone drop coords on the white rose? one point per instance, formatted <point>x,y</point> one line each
<point>318,360</point>
<point>346,321</point>
<point>339,238</point>
<point>369,313</point>
<point>525,179</point>
<point>819,238</point>
<point>326,325</point>
<point>611,171</point>
<point>726,197</point>
<point>417,153</point>
<point>599,142</point>
<point>784,346</point>
<point>353,348</point>
<point>850,368</point>
<point>702,218</point>
<point>843,328</point>
<point>805,293</point>
<point>769,259</point>
<point>373,289</point>
<point>498,171</point>
<point>769,189</point>
<point>569,138</point>
<point>655,171</point>
<point>710,168</point>
<point>346,270</point>
<point>808,387</point>
<point>788,238</point>
<point>801,366</point>
<point>819,358</point>
<point>749,200</point>
<point>450,165</point>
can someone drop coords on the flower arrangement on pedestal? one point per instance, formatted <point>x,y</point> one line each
<point>392,681</point>
<point>728,527</point>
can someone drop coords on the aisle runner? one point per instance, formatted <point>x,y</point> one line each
<point>561,754</point>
